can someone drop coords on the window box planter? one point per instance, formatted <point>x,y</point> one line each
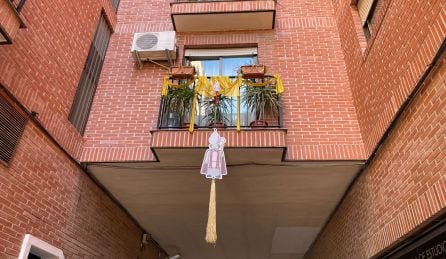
<point>181,72</point>
<point>255,71</point>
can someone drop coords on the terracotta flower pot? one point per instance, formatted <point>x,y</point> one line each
<point>254,71</point>
<point>217,125</point>
<point>183,72</point>
<point>258,123</point>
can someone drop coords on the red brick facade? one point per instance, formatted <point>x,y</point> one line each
<point>401,189</point>
<point>304,47</point>
<point>43,66</point>
<point>43,191</point>
<point>341,94</point>
<point>404,185</point>
<point>384,73</point>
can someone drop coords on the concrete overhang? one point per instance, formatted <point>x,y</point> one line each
<point>201,16</point>
<point>179,147</point>
<point>266,208</point>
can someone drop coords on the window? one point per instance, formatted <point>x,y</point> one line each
<point>83,100</point>
<point>3,37</point>
<point>222,62</point>
<point>12,125</point>
<point>18,4</point>
<point>366,9</point>
<point>34,248</point>
<point>115,4</point>
<point>10,20</point>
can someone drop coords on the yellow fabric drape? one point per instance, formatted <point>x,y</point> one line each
<point>205,87</point>
<point>192,115</point>
<point>167,84</point>
<point>228,88</point>
<point>279,84</point>
<point>231,89</point>
<point>238,113</point>
<point>165,88</point>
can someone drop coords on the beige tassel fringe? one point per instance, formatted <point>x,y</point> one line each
<point>211,229</point>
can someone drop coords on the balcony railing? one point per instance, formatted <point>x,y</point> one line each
<point>240,104</point>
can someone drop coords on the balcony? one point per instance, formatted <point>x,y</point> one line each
<point>230,15</point>
<point>253,103</point>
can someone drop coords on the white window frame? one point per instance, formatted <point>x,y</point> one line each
<point>32,244</point>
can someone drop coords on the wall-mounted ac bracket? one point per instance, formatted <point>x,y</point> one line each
<point>140,64</point>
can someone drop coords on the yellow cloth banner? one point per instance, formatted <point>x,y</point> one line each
<point>204,87</point>
<point>165,88</point>
<point>229,88</point>
<point>192,114</point>
<point>167,84</point>
<point>279,84</point>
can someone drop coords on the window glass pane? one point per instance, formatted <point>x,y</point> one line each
<point>207,67</point>
<point>231,66</point>
<point>223,66</point>
<point>83,99</point>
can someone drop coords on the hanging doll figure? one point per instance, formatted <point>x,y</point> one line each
<point>214,163</point>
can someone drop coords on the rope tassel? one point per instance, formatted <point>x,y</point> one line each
<point>211,228</point>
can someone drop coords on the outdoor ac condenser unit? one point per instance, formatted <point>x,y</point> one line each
<point>154,46</point>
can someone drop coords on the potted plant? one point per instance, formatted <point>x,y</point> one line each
<point>253,71</point>
<point>180,72</point>
<point>180,102</point>
<point>258,98</point>
<point>215,112</point>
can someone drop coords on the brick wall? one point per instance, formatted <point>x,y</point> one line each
<point>45,194</point>
<point>42,191</point>
<point>43,66</point>
<point>304,47</point>
<point>384,71</point>
<point>403,187</point>
<point>405,184</point>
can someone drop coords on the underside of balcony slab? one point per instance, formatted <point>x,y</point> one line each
<point>268,210</point>
<point>223,15</point>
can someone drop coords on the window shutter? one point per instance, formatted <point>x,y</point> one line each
<point>364,7</point>
<point>88,83</point>
<point>220,52</point>
<point>12,125</point>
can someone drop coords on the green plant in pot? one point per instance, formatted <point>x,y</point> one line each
<point>180,102</point>
<point>215,112</point>
<point>258,99</point>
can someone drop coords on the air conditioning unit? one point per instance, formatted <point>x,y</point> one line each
<point>154,46</point>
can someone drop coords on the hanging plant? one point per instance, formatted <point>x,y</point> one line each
<point>180,101</point>
<point>215,112</point>
<point>259,98</point>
